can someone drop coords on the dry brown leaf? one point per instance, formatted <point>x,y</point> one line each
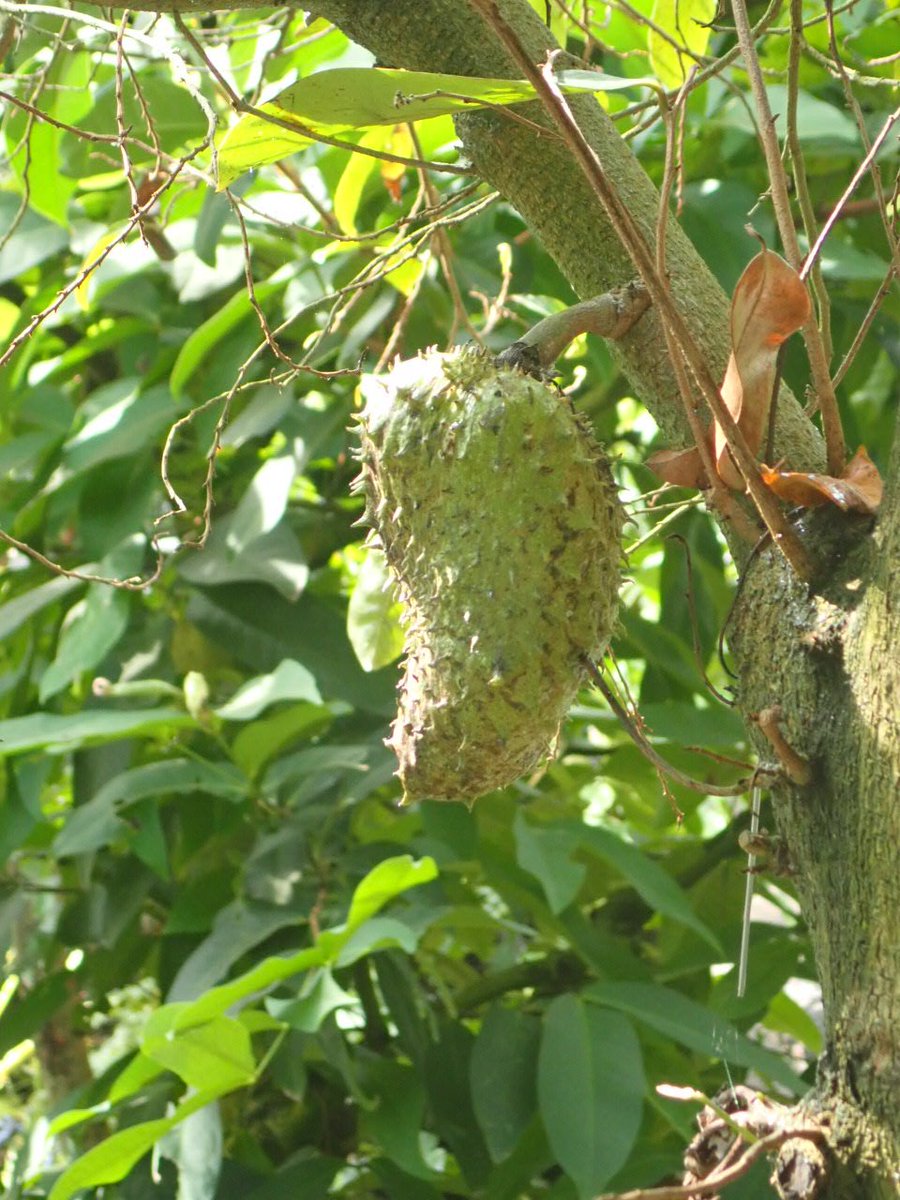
<point>859,488</point>
<point>770,303</point>
<point>681,467</point>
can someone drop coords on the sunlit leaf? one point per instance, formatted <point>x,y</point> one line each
<point>373,615</point>
<point>681,34</point>
<point>341,102</point>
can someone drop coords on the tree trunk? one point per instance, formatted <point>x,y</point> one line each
<point>828,654</point>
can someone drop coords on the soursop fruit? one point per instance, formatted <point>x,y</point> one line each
<point>499,519</point>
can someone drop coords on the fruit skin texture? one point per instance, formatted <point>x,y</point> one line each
<point>501,526</point>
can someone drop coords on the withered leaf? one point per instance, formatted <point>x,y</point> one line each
<point>770,303</point>
<point>681,467</point>
<point>858,489</point>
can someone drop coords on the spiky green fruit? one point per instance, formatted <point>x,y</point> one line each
<point>499,520</point>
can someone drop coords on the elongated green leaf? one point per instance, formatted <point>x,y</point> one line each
<point>649,879</point>
<point>378,933</point>
<point>16,612</point>
<point>395,1120</point>
<point>268,972</point>
<point>546,852</point>
<point>126,416</point>
<point>96,625</point>
<point>195,1147</point>
<point>590,1090</point>
<point>503,1077</point>
<point>319,996</point>
<point>111,1161</point>
<point>681,25</point>
<point>32,240</point>
<point>96,823</point>
<point>383,883</point>
<point>289,681</point>
<point>47,731</point>
<point>343,101</point>
<point>694,1026</point>
<point>238,927</point>
<point>205,339</point>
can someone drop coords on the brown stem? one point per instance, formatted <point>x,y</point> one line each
<point>796,767</point>
<point>609,316</point>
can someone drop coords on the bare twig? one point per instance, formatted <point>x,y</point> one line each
<point>444,253</point>
<point>798,170</point>
<point>722,1177</point>
<point>135,584</point>
<point>649,752</point>
<point>865,325</point>
<point>778,185</point>
<point>851,187</point>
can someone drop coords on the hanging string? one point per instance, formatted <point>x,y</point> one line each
<point>755,800</point>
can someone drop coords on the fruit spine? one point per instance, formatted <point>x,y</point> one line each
<point>500,523</point>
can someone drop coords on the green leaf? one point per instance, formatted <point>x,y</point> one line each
<point>395,1120</point>
<point>97,823</point>
<point>340,102</point>
<point>203,341</point>
<point>216,1056</point>
<point>379,933</point>
<point>446,1072</point>
<point>676,1016</point>
<point>57,734</point>
<point>590,1090</point>
<point>289,681</point>
<point>373,614</point>
<point>686,23</point>
<point>238,927</point>
<point>784,1015</point>
<point>259,740</point>
<point>33,240</point>
<point>356,174</point>
<point>124,418</point>
<point>111,1161</point>
<point>503,1077</point>
<point>270,971</point>
<point>91,630</point>
<point>545,851</point>
<point>16,612</point>
<point>195,1147</point>
<point>383,883</point>
<point>649,879</point>
<point>319,996</point>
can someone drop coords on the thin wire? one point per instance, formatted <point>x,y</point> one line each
<point>755,800</point>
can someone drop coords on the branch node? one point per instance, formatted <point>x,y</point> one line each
<point>797,768</point>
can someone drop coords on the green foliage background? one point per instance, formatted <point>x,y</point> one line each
<point>227,943</point>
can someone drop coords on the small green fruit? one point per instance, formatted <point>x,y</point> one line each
<point>501,525</point>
